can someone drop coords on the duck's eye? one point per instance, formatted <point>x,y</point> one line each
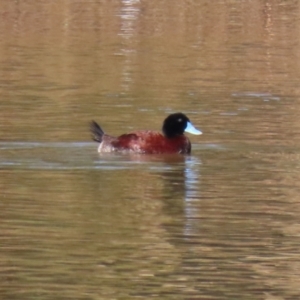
<point>179,120</point>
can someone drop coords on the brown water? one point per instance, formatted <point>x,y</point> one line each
<point>222,223</point>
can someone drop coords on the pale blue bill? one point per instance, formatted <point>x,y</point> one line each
<point>191,129</point>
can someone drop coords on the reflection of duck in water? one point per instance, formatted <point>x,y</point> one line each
<point>171,141</point>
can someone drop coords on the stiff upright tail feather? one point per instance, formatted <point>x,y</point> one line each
<point>97,132</point>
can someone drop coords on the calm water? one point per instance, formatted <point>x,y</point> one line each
<point>222,223</point>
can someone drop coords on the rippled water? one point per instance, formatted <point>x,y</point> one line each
<point>223,220</point>
<point>222,223</point>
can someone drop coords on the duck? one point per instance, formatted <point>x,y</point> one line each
<point>171,141</point>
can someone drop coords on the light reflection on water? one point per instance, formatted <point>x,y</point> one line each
<point>74,155</point>
<point>192,191</point>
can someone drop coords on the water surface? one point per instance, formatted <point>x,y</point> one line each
<point>221,223</point>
